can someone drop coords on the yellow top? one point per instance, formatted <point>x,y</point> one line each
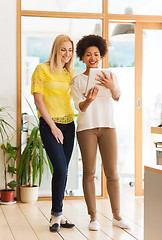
<point>55,89</point>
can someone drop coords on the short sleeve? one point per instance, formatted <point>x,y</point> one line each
<point>72,73</point>
<point>38,79</point>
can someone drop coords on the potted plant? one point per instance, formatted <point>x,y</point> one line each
<point>9,157</point>
<point>7,194</point>
<point>31,165</point>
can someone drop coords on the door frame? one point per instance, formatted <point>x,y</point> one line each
<point>139,27</point>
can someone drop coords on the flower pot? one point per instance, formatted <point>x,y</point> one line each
<point>29,194</point>
<point>7,195</point>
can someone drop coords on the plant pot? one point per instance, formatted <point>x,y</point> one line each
<point>29,194</point>
<point>7,195</point>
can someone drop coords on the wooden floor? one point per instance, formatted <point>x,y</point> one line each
<point>31,221</point>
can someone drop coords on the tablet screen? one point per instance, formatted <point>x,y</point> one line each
<point>91,82</point>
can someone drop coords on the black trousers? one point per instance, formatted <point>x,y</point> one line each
<point>59,155</point>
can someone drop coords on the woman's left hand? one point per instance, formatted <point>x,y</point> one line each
<point>105,81</point>
<point>108,83</point>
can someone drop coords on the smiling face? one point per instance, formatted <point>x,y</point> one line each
<point>91,57</point>
<point>66,52</point>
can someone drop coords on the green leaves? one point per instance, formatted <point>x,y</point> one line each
<point>11,153</point>
<point>12,170</point>
<point>4,125</point>
<point>8,150</point>
<point>12,184</point>
<point>34,152</point>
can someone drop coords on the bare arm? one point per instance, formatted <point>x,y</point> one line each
<point>38,99</point>
<point>89,98</point>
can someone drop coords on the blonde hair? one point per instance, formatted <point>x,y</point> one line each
<point>54,58</point>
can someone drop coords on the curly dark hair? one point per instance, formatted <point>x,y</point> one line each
<point>89,41</point>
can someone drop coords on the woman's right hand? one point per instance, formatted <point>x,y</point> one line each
<point>57,134</point>
<point>38,99</point>
<point>92,94</point>
<point>90,97</point>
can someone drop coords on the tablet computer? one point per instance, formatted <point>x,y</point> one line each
<point>91,82</point>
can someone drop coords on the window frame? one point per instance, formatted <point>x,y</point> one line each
<point>106,19</point>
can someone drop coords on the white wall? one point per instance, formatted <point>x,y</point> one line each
<point>8,86</point>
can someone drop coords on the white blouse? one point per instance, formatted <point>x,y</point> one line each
<point>100,111</point>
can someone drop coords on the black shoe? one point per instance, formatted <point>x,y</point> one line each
<point>55,227</point>
<point>67,225</point>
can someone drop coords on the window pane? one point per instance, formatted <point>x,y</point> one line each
<point>90,6</point>
<point>137,7</point>
<point>122,43</point>
<point>121,62</point>
<point>37,39</point>
<point>151,95</point>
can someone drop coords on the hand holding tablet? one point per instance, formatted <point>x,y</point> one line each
<point>93,75</point>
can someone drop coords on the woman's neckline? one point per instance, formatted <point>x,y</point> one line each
<point>85,75</point>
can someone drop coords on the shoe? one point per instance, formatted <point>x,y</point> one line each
<point>67,224</point>
<point>122,223</point>
<point>94,226</point>
<point>54,227</point>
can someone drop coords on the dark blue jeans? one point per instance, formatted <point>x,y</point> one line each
<point>59,155</point>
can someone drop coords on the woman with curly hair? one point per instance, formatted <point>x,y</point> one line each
<point>95,126</point>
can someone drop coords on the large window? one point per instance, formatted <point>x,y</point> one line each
<point>37,35</point>
<point>122,62</point>
<point>90,6</point>
<point>152,94</point>
<point>136,7</point>
<point>119,22</point>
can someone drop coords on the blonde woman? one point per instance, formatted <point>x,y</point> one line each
<point>50,87</point>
